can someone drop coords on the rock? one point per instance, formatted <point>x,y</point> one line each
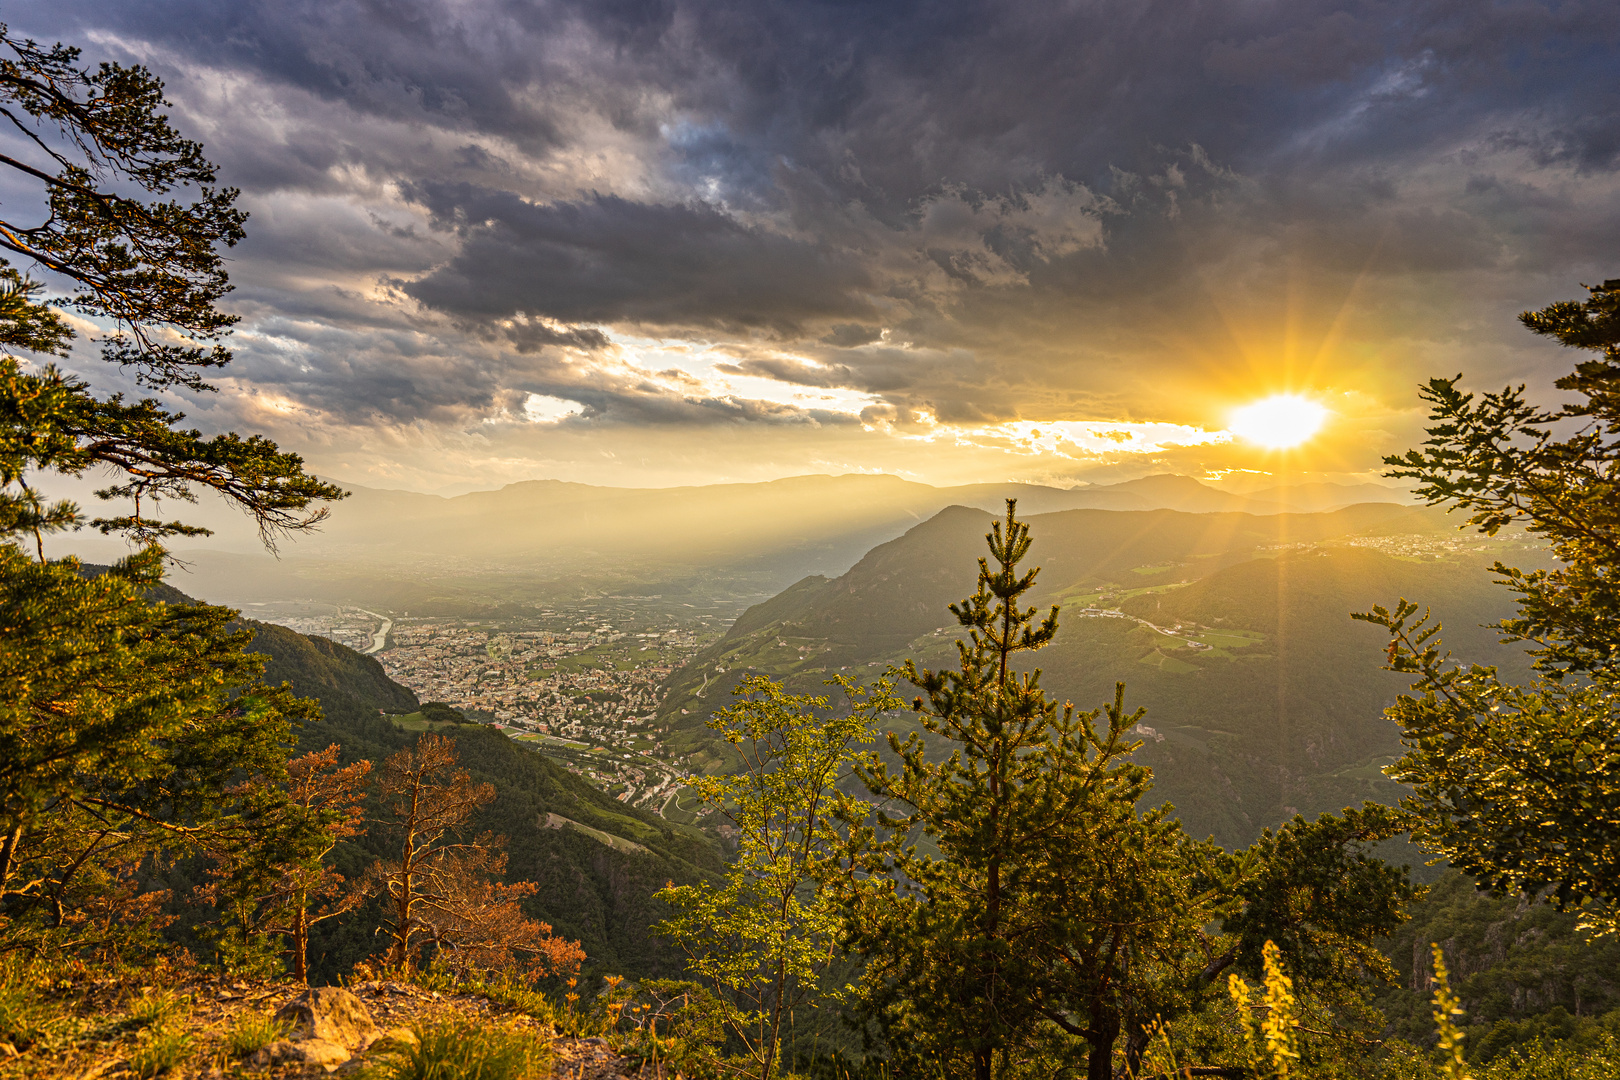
<point>393,1041</point>
<point>329,1014</point>
<point>396,1038</point>
<point>321,1052</point>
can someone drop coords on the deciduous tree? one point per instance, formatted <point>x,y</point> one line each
<point>762,940</point>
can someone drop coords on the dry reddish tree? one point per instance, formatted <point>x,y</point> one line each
<point>440,889</point>
<point>292,890</point>
<point>477,924</point>
<point>313,892</point>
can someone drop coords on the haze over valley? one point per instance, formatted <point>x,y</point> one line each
<point>602,627</point>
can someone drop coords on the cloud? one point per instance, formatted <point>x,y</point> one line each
<point>608,259</point>
<point>677,215</point>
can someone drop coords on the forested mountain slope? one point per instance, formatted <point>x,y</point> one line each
<point>349,685</point>
<point>1265,702</point>
<point>595,892</point>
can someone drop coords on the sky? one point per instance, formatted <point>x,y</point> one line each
<point>656,242</point>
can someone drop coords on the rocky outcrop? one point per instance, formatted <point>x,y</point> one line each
<point>329,1013</point>
<point>325,1028</point>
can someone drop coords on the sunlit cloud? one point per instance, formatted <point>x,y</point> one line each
<point>710,371</point>
<point>1080,440</point>
<point>545,409</point>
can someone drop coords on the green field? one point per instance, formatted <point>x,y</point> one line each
<point>597,658</point>
<point>683,807</point>
<point>1166,663</point>
<point>417,722</point>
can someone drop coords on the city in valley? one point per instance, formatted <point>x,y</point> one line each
<point>578,683</point>
<point>582,682</point>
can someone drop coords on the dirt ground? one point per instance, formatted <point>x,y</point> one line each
<point>101,1029</point>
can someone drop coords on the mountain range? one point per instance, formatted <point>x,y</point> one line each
<point>1263,697</point>
<point>531,542</point>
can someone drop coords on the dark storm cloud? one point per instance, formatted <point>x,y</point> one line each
<point>607,259</point>
<point>1023,187</point>
<point>888,99</point>
<point>529,336</point>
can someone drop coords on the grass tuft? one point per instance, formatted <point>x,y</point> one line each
<point>250,1032</point>
<point>160,1052</point>
<point>458,1050</point>
<point>21,1015</point>
<point>155,1010</point>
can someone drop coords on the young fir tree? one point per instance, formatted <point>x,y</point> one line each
<point>1058,927</point>
<point>1520,785</point>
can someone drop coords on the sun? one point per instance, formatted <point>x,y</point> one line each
<point>1279,421</point>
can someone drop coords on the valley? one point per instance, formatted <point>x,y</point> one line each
<point>1263,699</point>
<point>578,683</point>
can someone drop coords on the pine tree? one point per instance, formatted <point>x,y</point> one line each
<point>126,728</point>
<point>300,892</point>
<point>1520,785</point>
<point>1055,926</point>
<point>961,955</point>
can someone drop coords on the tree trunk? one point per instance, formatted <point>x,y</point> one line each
<point>982,1060</point>
<point>402,924</point>
<point>1136,1045</point>
<point>8,850</point>
<point>300,943</point>
<point>1100,1043</point>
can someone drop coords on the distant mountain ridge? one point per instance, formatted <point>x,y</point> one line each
<point>385,547</point>
<point>1233,629</point>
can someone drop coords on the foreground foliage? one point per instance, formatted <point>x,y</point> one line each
<point>462,1050</point>
<point>1520,785</point>
<point>762,942</point>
